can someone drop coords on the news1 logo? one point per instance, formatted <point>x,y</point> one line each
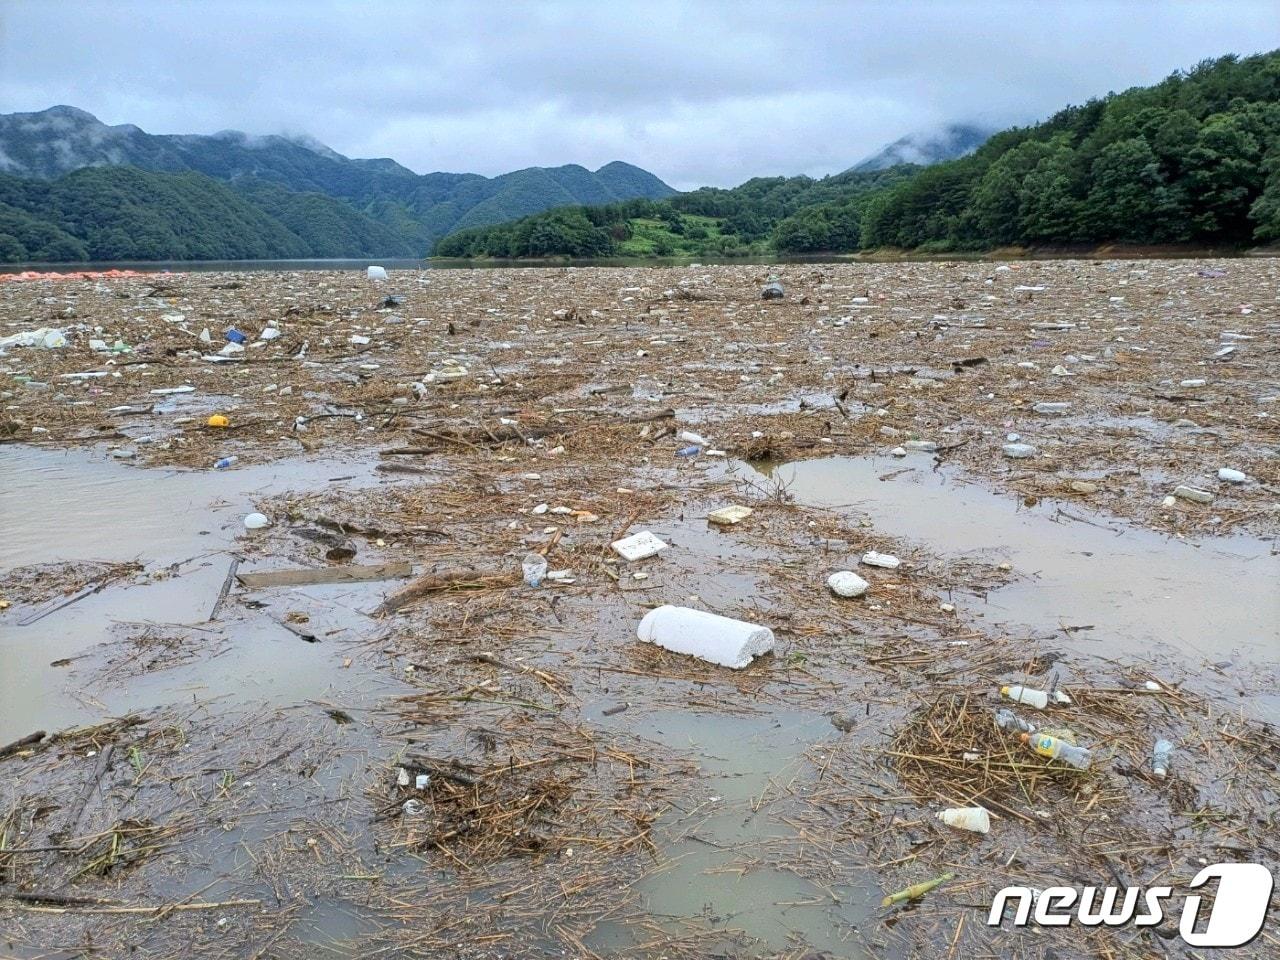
<point>1236,917</point>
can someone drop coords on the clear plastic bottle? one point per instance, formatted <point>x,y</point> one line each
<point>534,567</point>
<point>1161,757</point>
<point>1056,749</point>
<point>975,819</point>
<point>1008,720</point>
<point>225,462</point>
<point>1031,697</point>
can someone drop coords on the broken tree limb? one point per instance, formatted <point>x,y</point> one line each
<point>99,771</point>
<point>443,580</point>
<point>226,588</point>
<point>304,576</point>
<point>29,740</point>
<point>59,604</point>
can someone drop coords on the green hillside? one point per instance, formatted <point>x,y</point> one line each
<point>706,222</point>
<point>1194,159</point>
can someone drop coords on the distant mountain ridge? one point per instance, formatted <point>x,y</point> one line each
<point>412,210</point>
<point>924,149</point>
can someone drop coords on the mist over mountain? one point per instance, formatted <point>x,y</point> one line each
<point>926,148</point>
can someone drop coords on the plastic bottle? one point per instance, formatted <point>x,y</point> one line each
<point>1008,720</point>
<point>534,567</point>
<point>690,451</point>
<point>225,462</point>
<point>1161,757</point>
<point>1032,698</point>
<point>1056,749</point>
<point>975,819</point>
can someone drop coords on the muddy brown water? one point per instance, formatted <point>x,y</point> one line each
<point>1143,596</point>
<point>1147,598</point>
<point>61,506</point>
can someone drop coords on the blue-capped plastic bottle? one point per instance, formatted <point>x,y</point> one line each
<point>225,462</point>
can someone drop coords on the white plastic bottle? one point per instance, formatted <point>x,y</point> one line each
<point>975,819</point>
<point>1031,697</point>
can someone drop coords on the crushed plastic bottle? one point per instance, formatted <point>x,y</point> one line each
<point>225,462</point>
<point>1006,719</point>
<point>1031,697</point>
<point>1056,749</point>
<point>690,451</point>
<point>975,819</point>
<point>1161,757</point>
<point>534,567</point>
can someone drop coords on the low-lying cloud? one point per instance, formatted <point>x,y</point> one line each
<point>697,92</point>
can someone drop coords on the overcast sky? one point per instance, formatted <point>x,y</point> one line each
<point>697,92</point>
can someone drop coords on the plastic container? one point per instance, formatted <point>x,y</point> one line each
<point>707,636</point>
<point>1031,697</point>
<point>886,560</point>
<point>1161,757</point>
<point>225,462</point>
<point>1056,749</point>
<point>534,566</point>
<point>1008,720</point>
<point>257,521</point>
<point>975,819</point>
<point>1018,451</point>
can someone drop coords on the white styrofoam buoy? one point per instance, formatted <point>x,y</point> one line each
<point>377,273</point>
<point>1227,475</point>
<point>257,521</point>
<point>707,636</point>
<point>846,583</point>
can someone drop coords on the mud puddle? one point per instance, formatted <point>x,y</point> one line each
<point>147,639</point>
<point>1097,585</point>
<point>724,867</point>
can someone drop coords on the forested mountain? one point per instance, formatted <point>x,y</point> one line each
<point>1194,159</point>
<point>374,208</point>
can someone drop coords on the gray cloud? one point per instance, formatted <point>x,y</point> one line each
<point>698,92</point>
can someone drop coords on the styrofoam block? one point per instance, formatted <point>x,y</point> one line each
<point>707,636</point>
<point>638,546</point>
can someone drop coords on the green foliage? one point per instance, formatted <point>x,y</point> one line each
<point>707,222</point>
<point>1192,159</point>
